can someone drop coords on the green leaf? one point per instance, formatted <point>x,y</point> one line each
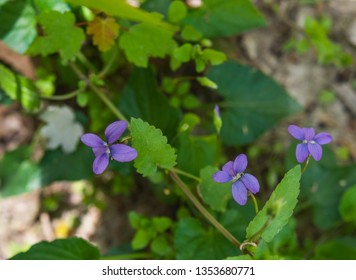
<point>18,24</point>
<point>51,5</point>
<point>177,11</point>
<point>196,152</point>
<point>347,206</point>
<point>160,246</point>
<point>193,242</point>
<point>218,18</point>
<point>206,82</point>
<point>18,174</point>
<point>213,56</point>
<point>151,145</point>
<point>142,238</point>
<point>190,102</point>
<point>253,102</point>
<point>214,194</point>
<point>135,219</point>
<point>339,249</point>
<point>143,41</point>
<point>189,121</point>
<point>19,88</point>
<point>142,99</point>
<point>123,10</point>
<point>72,248</point>
<point>58,28</point>
<point>189,33</point>
<point>278,209</point>
<point>284,245</point>
<point>161,224</point>
<point>183,53</point>
<point>82,99</point>
<point>59,166</point>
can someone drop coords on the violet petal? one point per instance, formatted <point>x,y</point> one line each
<point>323,138</point>
<point>115,130</point>
<point>229,168</point>
<point>222,177</point>
<point>302,152</point>
<point>315,150</point>
<point>296,132</point>
<point>240,163</point>
<point>123,153</point>
<point>99,150</point>
<point>92,140</point>
<point>239,192</point>
<point>251,183</point>
<point>100,163</point>
<point>309,133</point>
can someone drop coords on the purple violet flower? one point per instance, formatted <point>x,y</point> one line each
<point>233,171</point>
<point>311,143</point>
<point>105,150</point>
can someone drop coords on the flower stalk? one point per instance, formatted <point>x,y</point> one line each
<point>255,204</point>
<point>205,212</point>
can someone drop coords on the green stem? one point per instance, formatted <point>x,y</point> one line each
<point>82,58</point>
<point>254,202</point>
<point>108,103</point>
<point>62,97</point>
<point>108,65</point>
<point>98,92</point>
<point>186,174</point>
<point>306,164</point>
<point>203,211</point>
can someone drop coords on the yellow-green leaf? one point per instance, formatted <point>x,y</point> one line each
<point>104,31</point>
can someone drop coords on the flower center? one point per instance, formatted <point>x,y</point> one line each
<point>305,141</point>
<point>107,149</point>
<point>237,177</point>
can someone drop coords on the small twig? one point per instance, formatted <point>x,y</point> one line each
<point>62,97</point>
<point>186,174</point>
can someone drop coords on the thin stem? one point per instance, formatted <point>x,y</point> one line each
<point>108,65</point>
<point>98,92</point>
<point>108,103</point>
<point>62,97</point>
<point>186,174</point>
<point>205,212</point>
<point>82,58</point>
<point>306,164</point>
<point>254,202</point>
